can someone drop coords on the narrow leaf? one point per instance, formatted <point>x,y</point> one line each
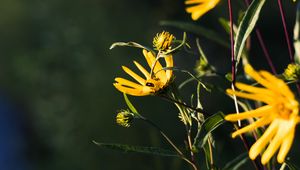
<point>130,105</point>
<point>196,29</point>
<point>128,44</point>
<point>237,162</point>
<point>246,26</point>
<point>137,149</point>
<point>209,125</point>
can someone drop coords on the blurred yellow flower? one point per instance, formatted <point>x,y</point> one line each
<point>292,72</point>
<point>199,7</point>
<point>154,81</point>
<point>280,113</point>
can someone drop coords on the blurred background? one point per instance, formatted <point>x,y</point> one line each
<point>56,75</point>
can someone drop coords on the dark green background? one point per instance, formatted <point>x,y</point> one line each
<point>57,67</point>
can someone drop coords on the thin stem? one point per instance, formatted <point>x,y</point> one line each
<point>190,145</point>
<point>170,142</point>
<point>265,50</point>
<point>231,42</point>
<point>183,104</point>
<point>285,31</point>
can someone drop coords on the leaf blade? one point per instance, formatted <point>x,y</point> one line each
<point>246,26</point>
<point>137,149</point>
<point>196,29</point>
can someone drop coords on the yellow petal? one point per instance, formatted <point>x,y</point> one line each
<point>278,84</point>
<point>257,97</point>
<point>261,122</point>
<point>169,63</point>
<point>128,83</point>
<point>264,110</point>
<point>256,76</point>
<point>285,146</point>
<point>253,89</point>
<point>189,2</point>
<point>197,11</point>
<point>260,144</point>
<point>272,148</point>
<point>133,75</point>
<point>134,92</point>
<point>142,69</point>
<point>156,66</point>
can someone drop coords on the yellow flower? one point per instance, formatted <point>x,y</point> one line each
<point>292,72</point>
<point>155,80</point>
<point>124,118</point>
<point>163,41</point>
<point>280,113</point>
<point>200,7</point>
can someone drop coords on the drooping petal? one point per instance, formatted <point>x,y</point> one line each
<point>285,146</point>
<point>135,76</point>
<point>272,148</point>
<point>260,144</point>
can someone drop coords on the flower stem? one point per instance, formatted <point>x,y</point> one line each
<point>183,104</point>
<point>231,42</point>
<point>285,30</point>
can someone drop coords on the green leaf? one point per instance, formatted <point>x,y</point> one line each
<point>237,162</point>
<point>209,125</point>
<point>297,35</point>
<point>128,44</point>
<point>196,29</point>
<point>137,149</point>
<point>246,26</point>
<point>130,105</point>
